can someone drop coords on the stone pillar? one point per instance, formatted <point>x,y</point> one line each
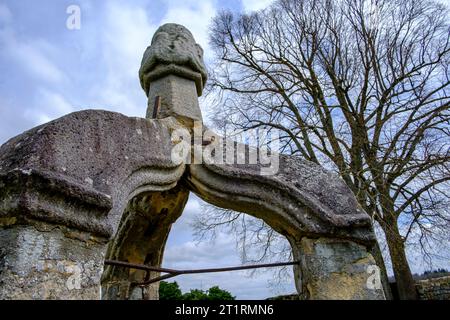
<point>44,261</point>
<point>337,269</point>
<point>178,98</point>
<point>52,239</point>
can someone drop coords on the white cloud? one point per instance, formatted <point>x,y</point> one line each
<point>12,122</point>
<point>202,253</point>
<point>52,105</point>
<point>253,5</point>
<point>33,60</point>
<point>125,34</point>
<point>37,63</point>
<point>30,54</point>
<point>5,13</point>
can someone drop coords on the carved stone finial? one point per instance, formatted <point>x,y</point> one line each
<point>172,72</point>
<point>173,51</point>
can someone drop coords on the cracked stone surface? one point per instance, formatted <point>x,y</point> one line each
<point>337,270</point>
<point>42,262</point>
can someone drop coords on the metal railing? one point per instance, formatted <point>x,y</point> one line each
<point>173,272</point>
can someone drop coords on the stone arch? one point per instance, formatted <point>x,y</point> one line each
<point>95,184</point>
<point>81,185</point>
<point>314,209</point>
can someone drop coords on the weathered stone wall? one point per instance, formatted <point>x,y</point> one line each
<point>335,269</point>
<point>434,289</point>
<point>44,261</point>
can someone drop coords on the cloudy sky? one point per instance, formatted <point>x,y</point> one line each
<point>47,70</point>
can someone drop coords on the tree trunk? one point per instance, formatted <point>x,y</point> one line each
<point>403,276</point>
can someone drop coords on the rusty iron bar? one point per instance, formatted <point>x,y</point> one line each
<point>157,279</point>
<point>173,273</point>
<point>156,106</point>
<point>138,266</point>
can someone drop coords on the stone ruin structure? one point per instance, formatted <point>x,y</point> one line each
<point>96,185</point>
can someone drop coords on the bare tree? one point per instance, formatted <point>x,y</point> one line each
<point>358,86</point>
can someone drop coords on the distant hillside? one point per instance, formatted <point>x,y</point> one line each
<point>430,274</point>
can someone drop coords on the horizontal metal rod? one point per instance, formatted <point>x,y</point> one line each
<point>255,266</point>
<point>138,266</point>
<point>174,273</point>
<point>153,280</point>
